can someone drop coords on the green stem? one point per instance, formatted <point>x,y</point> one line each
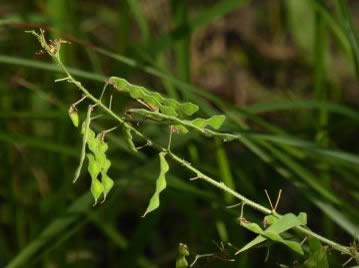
<point>96,101</point>
<point>255,205</point>
<point>55,56</point>
<point>220,185</point>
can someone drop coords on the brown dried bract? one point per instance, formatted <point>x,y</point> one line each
<point>53,47</point>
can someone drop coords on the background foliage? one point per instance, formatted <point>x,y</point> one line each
<point>285,74</point>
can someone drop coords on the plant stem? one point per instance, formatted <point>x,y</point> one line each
<point>220,185</point>
<point>256,206</point>
<point>56,57</point>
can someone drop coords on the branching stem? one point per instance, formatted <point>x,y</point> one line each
<point>199,175</point>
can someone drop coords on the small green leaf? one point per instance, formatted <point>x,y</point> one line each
<point>295,246</point>
<point>160,185</point>
<point>74,116</point>
<point>286,222</point>
<point>251,226</point>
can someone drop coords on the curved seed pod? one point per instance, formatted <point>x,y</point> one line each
<point>130,142</point>
<point>160,185</point>
<point>99,164</point>
<point>156,100</point>
<point>87,134</point>
<point>96,189</point>
<point>99,148</point>
<point>94,145</point>
<point>168,110</point>
<point>74,116</point>
<point>102,147</point>
<point>215,121</point>
<point>198,124</point>
<point>106,181</point>
<point>106,166</point>
<point>107,184</point>
<point>94,168</point>
<point>189,108</point>
<point>96,186</point>
<point>151,100</point>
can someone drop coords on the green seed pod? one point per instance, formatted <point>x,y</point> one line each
<point>106,166</point>
<point>94,145</point>
<point>183,249</point>
<point>181,261</point>
<point>94,168</point>
<point>100,153</point>
<point>107,184</point>
<point>74,116</point>
<point>103,147</point>
<point>96,189</point>
<point>130,142</point>
<point>96,186</point>
<point>161,185</point>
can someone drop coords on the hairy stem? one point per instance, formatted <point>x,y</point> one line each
<point>255,205</point>
<point>54,53</point>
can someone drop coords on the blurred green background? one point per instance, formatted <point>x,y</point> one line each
<point>285,73</point>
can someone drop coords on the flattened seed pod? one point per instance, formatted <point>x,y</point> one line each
<point>74,116</point>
